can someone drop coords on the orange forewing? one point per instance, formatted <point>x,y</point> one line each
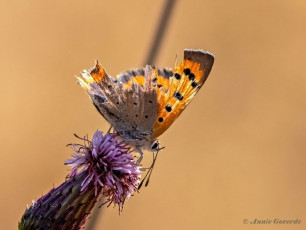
<point>167,98</point>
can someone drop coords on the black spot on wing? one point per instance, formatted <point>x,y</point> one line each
<point>177,76</point>
<point>168,108</point>
<point>194,84</point>
<point>187,71</point>
<point>191,76</point>
<point>178,96</point>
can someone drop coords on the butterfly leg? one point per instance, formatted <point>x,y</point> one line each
<point>141,155</point>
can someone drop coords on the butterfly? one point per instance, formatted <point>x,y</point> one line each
<point>141,104</point>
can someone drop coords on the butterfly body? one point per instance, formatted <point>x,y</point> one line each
<point>142,104</point>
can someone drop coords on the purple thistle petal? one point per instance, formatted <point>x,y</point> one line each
<point>109,165</point>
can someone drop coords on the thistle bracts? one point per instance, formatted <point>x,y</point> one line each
<point>103,167</point>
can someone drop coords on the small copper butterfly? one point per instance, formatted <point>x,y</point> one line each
<point>141,104</point>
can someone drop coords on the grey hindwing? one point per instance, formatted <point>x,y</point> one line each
<point>131,111</point>
<point>128,75</point>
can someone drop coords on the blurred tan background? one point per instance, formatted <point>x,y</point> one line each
<point>238,150</point>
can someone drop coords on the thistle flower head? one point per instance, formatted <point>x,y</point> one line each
<point>103,166</point>
<point>108,164</point>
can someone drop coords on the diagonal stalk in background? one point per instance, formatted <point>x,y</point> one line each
<point>150,60</point>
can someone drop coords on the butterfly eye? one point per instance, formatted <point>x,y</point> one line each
<point>155,145</point>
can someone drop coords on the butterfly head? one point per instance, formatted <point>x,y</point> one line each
<point>154,146</point>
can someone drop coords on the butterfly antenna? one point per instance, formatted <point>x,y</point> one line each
<point>149,173</point>
<point>151,168</point>
<point>141,183</point>
<point>144,179</point>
